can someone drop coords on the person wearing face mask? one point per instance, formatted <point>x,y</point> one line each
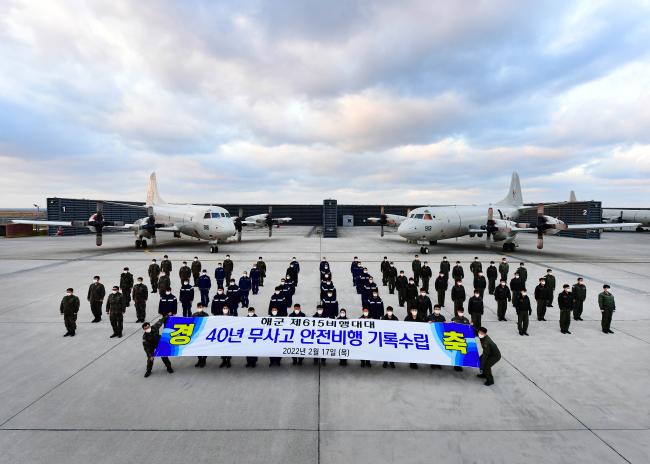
<point>459,319</point>
<point>126,284</point>
<point>140,297</point>
<point>389,316</point>
<point>205,283</point>
<point>565,302</point>
<point>411,294</point>
<point>355,270</point>
<point>445,267</point>
<point>412,316</point>
<point>490,356</point>
<point>319,314</point>
<point>200,312</point>
<point>579,291</point>
<point>261,265</point>
<point>330,305</point>
<point>392,278</point>
<point>425,275</point>
<point>225,360</point>
<point>164,283</point>
<point>324,267</point>
<point>186,295</point>
<point>244,289</point>
<point>436,317</point>
<point>251,361</point>
<point>228,266</point>
<point>294,270</point>
<point>326,287</point>
<point>150,339</point>
<point>69,307</point>
<point>369,288</point>
<point>423,305</point>
<point>288,290</point>
<point>96,294</point>
<point>384,267</point>
<point>365,314</point>
<point>502,296</point>
<point>196,270</point>
<point>278,303</point>
<point>550,284</point>
<point>441,284</point>
<point>375,306</point>
<point>524,310</point>
<point>343,316</point>
<point>541,297</point>
<point>184,273</point>
<point>416,266</point>
<point>480,283</point>
<point>400,285</point>
<point>115,308</point>
<point>254,275</point>
<point>492,275</point>
<point>219,275</point>
<point>457,273</point>
<point>504,268</point>
<point>273,312</point>
<point>168,303</point>
<point>362,281</point>
<point>523,273</point>
<point>232,292</point>
<point>475,309</point>
<point>166,265</point>
<point>607,305</point>
<point>475,267</point>
<point>154,273</point>
<point>297,312</point>
<point>218,302</point>
<point>458,296</point>
<point>516,284</point>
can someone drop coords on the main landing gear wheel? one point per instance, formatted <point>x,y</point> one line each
<point>138,243</point>
<point>433,242</point>
<point>144,243</point>
<point>214,249</point>
<point>424,250</point>
<point>508,247</point>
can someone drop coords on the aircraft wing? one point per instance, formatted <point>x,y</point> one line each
<point>251,223</point>
<point>118,225</point>
<point>169,228</point>
<point>603,226</point>
<point>283,220</point>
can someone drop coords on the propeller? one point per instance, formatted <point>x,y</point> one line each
<point>383,219</point>
<point>150,225</point>
<point>269,221</point>
<point>544,224</point>
<point>97,222</point>
<point>238,224</point>
<point>490,228</point>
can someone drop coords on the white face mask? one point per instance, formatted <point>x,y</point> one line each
<point>186,282</point>
<point>436,313</point>
<point>251,314</point>
<point>114,291</point>
<point>168,292</point>
<point>139,281</point>
<point>147,330</point>
<point>225,313</point>
<point>95,280</point>
<point>414,314</point>
<point>319,311</point>
<point>365,313</point>
<point>481,335</point>
<point>275,313</point>
<point>389,313</point>
<point>422,294</point>
<point>68,293</point>
<point>296,311</point>
<point>342,314</point>
<point>523,294</point>
<point>124,272</point>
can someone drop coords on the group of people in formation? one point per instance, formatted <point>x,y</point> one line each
<point>412,292</point>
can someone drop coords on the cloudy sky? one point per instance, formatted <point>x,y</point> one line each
<point>401,102</point>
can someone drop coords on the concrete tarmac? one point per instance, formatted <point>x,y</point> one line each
<point>580,398</point>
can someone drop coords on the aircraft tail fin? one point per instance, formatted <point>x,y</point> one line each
<point>152,192</point>
<point>572,197</point>
<point>514,196</point>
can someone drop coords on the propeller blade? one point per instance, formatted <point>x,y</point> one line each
<point>98,239</point>
<point>99,206</point>
<point>239,225</point>
<point>540,240</point>
<point>269,221</point>
<point>382,219</point>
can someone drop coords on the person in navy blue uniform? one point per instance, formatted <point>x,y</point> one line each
<point>375,306</point>
<point>204,287</point>
<point>389,316</point>
<point>200,312</point>
<point>294,267</point>
<point>219,300</point>
<point>297,312</point>
<point>330,305</point>
<point>325,287</point>
<point>357,270</point>
<point>225,360</point>
<point>244,289</point>
<point>278,303</point>
<point>369,287</point>
<point>365,314</point>
<point>343,315</point>
<point>273,312</point>
<point>288,290</point>
<point>362,280</point>
<point>255,275</point>
<point>324,268</point>
<point>219,275</point>
<point>320,314</point>
<point>251,361</point>
<point>168,304</point>
<point>232,292</point>
<point>186,295</point>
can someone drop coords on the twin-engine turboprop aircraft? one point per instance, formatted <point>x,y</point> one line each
<point>430,224</point>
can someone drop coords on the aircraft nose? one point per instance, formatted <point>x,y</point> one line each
<point>406,228</point>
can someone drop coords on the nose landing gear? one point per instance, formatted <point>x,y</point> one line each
<point>424,250</point>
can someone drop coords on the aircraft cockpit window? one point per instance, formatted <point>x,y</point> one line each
<point>216,215</point>
<point>427,217</point>
<point>419,216</point>
<point>206,215</point>
<point>226,214</point>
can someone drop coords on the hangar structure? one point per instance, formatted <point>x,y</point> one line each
<point>68,209</point>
